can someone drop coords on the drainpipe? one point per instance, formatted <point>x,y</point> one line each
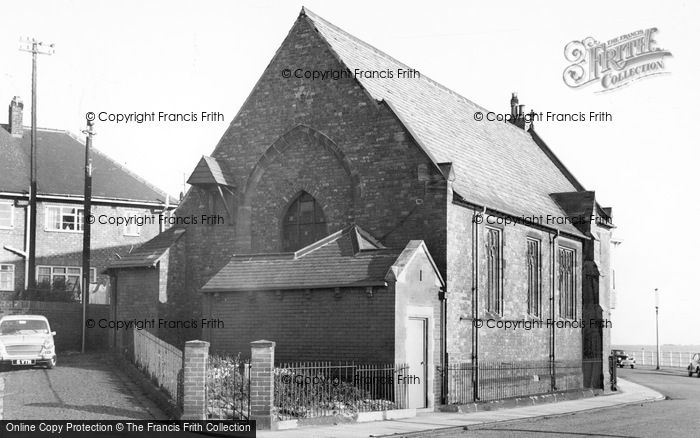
<point>442,295</point>
<point>552,313</point>
<point>475,301</point>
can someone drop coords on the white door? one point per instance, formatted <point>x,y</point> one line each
<point>417,358</point>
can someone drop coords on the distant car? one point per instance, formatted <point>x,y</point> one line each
<point>619,355</point>
<point>694,366</point>
<point>628,361</point>
<point>26,340</point>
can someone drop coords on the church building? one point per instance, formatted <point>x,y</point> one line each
<point>357,210</point>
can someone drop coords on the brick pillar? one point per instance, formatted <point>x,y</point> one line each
<point>262,365</point>
<point>195,361</point>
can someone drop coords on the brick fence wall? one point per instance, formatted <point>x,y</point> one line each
<point>66,320</point>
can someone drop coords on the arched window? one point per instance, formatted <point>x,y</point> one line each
<point>303,224</point>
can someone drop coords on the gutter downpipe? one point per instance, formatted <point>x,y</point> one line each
<point>552,305</point>
<point>442,296</point>
<point>475,301</point>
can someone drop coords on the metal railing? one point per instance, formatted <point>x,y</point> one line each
<point>159,360</point>
<point>228,388</point>
<point>502,380</point>
<point>320,389</point>
<point>671,359</point>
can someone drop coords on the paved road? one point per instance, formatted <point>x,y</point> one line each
<point>678,416</point>
<point>81,387</point>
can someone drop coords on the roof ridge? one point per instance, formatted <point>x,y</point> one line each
<point>313,16</point>
<point>121,166</point>
<point>322,242</point>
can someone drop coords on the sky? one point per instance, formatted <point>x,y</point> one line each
<point>187,56</point>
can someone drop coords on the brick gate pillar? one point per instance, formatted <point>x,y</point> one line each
<point>262,366</point>
<point>194,363</point>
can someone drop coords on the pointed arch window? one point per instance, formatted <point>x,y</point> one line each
<point>304,223</point>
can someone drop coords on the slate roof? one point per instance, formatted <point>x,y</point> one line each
<point>347,258</point>
<point>60,167</point>
<point>497,165</point>
<point>210,171</point>
<point>148,254</point>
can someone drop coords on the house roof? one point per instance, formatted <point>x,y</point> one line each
<point>347,258</point>
<point>210,171</point>
<point>148,254</point>
<point>496,165</point>
<point>60,164</point>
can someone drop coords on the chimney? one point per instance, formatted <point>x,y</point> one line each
<point>514,105</point>
<point>14,123</point>
<point>517,112</point>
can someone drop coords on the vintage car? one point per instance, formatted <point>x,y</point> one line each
<point>694,365</point>
<point>629,361</point>
<point>26,340</point>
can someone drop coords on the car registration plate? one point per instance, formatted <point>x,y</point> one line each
<point>23,362</point>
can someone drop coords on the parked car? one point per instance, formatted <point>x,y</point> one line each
<point>629,361</point>
<point>694,366</point>
<point>619,355</point>
<point>26,340</point>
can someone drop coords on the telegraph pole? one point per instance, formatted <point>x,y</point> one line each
<point>87,205</point>
<point>35,48</point>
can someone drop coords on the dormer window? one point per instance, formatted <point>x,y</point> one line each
<point>303,224</point>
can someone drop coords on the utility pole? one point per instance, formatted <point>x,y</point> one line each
<point>35,48</point>
<point>87,206</point>
<point>656,302</point>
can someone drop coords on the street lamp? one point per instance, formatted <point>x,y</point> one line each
<point>656,302</point>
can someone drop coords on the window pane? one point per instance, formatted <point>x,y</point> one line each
<point>7,277</point>
<point>73,282</point>
<point>303,223</point>
<point>58,270</point>
<point>74,271</point>
<point>306,212</point>
<point>53,215</point>
<point>67,220</point>
<point>5,215</point>
<point>318,215</point>
<point>79,220</point>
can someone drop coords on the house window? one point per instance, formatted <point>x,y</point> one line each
<point>7,277</point>
<point>494,263</point>
<point>7,212</point>
<point>62,218</point>
<point>66,278</point>
<point>303,224</point>
<point>567,283</point>
<point>132,228</point>
<point>534,290</point>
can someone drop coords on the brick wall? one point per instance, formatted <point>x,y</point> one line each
<point>498,344</point>
<point>306,326</point>
<point>66,320</point>
<point>136,299</point>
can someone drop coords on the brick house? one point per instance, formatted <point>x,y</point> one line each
<point>60,162</point>
<point>511,231</point>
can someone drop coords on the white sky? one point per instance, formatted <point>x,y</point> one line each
<point>183,56</point>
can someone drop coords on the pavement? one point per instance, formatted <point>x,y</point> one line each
<point>429,423</point>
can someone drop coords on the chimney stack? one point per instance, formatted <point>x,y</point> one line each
<point>514,105</point>
<point>14,123</point>
<point>517,112</point>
